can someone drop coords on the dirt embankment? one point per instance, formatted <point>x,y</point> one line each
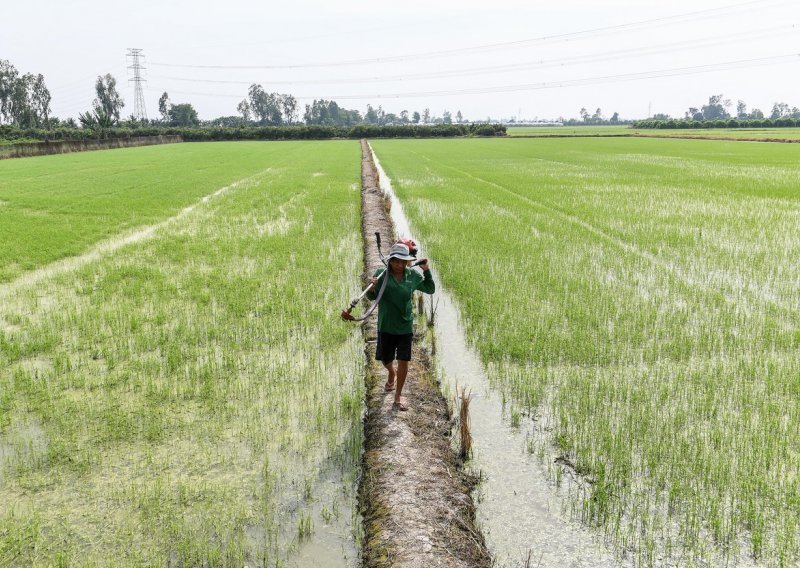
<point>414,495</point>
<point>47,147</point>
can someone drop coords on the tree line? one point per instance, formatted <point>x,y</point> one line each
<point>285,132</point>
<point>25,103</point>
<point>719,112</point>
<point>24,99</point>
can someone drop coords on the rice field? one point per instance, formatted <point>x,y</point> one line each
<point>727,133</point>
<point>57,206</point>
<point>624,130</point>
<point>184,398</point>
<point>637,299</point>
<point>615,130</point>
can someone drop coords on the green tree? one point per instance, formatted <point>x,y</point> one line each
<point>459,117</point>
<point>163,106</point>
<point>447,118</point>
<point>694,114</point>
<point>108,99</point>
<point>8,81</point>
<point>40,101</point>
<point>404,116</point>
<point>614,118</point>
<point>426,116</point>
<point>98,120</point>
<point>779,110</point>
<point>415,118</point>
<point>244,109</point>
<point>266,107</point>
<point>716,109</point>
<point>226,121</point>
<point>741,109</point>
<point>183,115</point>
<point>24,100</point>
<point>22,113</point>
<point>371,116</point>
<point>289,108</point>
<point>329,113</point>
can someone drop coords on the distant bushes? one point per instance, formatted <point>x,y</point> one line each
<point>783,122</point>
<point>299,132</point>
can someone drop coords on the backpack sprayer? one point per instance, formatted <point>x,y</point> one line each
<point>412,250</point>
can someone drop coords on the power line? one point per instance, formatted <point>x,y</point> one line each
<point>739,37</point>
<point>688,16</point>
<point>672,72</point>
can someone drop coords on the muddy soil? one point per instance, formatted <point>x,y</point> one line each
<point>415,496</point>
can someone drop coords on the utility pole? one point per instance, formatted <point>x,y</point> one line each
<point>139,112</point>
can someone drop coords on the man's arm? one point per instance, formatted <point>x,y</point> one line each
<point>427,285</point>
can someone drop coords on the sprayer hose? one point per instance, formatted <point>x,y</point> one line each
<point>376,301</point>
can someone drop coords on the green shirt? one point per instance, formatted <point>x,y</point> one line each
<point>395,312</point>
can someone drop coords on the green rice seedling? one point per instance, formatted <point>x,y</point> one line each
<point>639,296</point>
<point>305,526</point>
<point>164,401</point>
<point>52,207</point>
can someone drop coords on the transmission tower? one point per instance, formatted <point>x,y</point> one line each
<point>139,112</point>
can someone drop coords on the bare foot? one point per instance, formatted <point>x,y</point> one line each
<point>389,386</point>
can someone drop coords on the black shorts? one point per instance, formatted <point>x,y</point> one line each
<point>389,344</point>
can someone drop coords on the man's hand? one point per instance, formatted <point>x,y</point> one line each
<point>373,280</point>
<point>424,264</point>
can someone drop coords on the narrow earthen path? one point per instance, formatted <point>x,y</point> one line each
<point>415,497</point>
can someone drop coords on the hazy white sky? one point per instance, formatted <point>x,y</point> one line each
<point>532,59</point>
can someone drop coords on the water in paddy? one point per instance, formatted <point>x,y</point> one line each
<point>332,544</point>
<point>519,509</point>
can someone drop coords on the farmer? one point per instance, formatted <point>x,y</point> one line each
<point>395,315</point>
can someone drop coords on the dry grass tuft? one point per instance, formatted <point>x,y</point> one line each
<point>463,397</point>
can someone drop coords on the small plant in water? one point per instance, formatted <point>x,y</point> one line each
<point>305,526</point>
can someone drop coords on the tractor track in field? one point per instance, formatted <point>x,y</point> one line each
<point>113,244</point>
<point>414,495</point>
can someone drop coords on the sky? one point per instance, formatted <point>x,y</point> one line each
<point>498,59</point>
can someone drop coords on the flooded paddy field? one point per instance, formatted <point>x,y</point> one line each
<point>633,303</point>
<point>181,397</point>
<point>176,387</point>
<point>784,134</point>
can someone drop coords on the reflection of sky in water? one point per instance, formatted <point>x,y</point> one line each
<point>332,544</point>
<point>518,509</point>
